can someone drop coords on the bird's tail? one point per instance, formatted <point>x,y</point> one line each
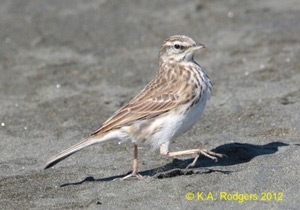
<point>75,148</point>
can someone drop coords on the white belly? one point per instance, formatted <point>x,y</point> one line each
<point>191,118</point>
<point>174,126</point>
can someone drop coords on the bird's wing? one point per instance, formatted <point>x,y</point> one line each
<point>158,97</point>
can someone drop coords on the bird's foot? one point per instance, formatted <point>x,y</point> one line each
<point>134,174</point>
<point>206,153</point>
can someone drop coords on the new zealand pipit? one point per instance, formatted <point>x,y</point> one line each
<point>166,108</point>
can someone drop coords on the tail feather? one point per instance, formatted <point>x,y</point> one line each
<point>71,150</point>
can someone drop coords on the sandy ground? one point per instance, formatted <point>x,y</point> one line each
<point>65,66</point>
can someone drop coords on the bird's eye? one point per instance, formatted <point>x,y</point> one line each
<point>177,46</point>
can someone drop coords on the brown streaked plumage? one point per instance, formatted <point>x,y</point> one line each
<point>166,108</point>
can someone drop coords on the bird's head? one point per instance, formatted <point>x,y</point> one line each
<point>179,48</point>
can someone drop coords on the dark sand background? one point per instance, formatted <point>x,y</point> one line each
<point>65,66</point>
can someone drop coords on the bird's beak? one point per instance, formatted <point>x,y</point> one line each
<point>196,47</point>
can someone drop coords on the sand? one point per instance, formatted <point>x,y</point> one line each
<point>66,66</point>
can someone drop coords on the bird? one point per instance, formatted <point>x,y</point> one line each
<point>171,103</point>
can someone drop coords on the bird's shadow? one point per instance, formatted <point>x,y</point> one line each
<point>237,153</point>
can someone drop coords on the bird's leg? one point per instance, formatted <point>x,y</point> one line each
<point>212,155</point>
<point>135,165</point>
